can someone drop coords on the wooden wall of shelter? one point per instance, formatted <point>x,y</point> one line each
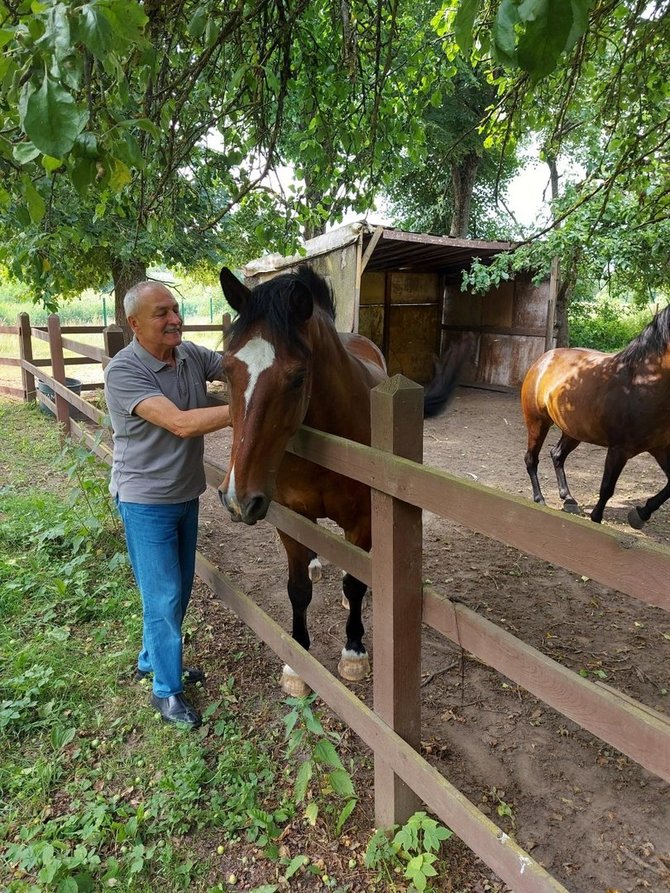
<point>402,290</point>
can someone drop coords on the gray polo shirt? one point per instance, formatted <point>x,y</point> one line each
<point>150,464</point>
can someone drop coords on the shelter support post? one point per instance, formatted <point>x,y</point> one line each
<point>58,372</point>
<point>397,427</point>
<point>26,353</point>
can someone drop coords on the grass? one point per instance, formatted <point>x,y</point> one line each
<point>93,792</point>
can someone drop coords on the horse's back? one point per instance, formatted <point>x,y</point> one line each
<point>554,370</point>
<point>367,352</point>
<point>577,389</point>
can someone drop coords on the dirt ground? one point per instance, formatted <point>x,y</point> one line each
<point>592,817</point>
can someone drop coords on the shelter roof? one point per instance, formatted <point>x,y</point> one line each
<point>386,248</point>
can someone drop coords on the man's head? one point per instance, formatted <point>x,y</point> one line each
<point>153,315</point>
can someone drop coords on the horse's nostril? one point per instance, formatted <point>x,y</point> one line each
<point>256,508</point>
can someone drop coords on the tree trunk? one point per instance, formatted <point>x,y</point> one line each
<point>463,176</point>
<point>566,283</point>
<point>125,274</point>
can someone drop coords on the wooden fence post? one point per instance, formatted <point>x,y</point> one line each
<point>397,426</point>
<point>114,340</point>
<point>226,323</point>
<point>58,372</point>
<point>26,353</point>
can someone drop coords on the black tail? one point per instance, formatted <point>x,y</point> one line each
<point>438,392</point>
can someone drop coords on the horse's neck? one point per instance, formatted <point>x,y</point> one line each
<point>340,402</point>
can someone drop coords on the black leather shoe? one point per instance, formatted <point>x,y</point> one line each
<point>190,675</point>
<point>176,710</point>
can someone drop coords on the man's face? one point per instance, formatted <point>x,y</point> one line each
<point>157,323</point>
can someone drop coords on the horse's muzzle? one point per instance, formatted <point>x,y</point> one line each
<point>252,509</point>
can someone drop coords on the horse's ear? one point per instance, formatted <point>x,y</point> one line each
<point>235,292</point>
<point>301,302</point>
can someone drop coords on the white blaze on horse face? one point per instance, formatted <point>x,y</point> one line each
<point>257,355</point>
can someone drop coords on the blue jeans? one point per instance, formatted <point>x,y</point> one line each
<point>161,543</point>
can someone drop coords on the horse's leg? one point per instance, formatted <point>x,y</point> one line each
<point>300,593</point>
<point>639,515</point>
<point>614,464</point>
<point>559,454</point>
<point>354,663</point>
<point>538,428</point>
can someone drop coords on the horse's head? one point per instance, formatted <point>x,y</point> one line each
<point>268,366</point>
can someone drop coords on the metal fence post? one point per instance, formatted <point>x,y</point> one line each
<point>26,353</point>
<point>397,427</point>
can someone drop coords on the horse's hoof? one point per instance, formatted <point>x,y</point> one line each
<point>571,507</point>
<point>635,520</point>
<point>293,685</point>
<point>353,667</point>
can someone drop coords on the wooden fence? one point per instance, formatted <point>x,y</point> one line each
<point>402,489</point>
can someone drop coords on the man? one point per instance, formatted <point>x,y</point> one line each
<point>156,395</point>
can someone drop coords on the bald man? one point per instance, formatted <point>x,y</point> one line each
<point>156,392</point>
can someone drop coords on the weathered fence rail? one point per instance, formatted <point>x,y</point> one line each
<point>402,489</point>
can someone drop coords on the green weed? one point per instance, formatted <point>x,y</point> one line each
<point>321,774</point>
<point>412,851</point>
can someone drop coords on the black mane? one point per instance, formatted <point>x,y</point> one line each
<point>270,302</point>
<point>652,341</point>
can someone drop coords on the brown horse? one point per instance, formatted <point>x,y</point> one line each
<point>286,364</point>
<point>620,401</point>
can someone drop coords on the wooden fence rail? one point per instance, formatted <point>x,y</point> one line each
<point>401,489</point>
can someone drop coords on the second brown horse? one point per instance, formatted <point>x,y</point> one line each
<point>620,401</point>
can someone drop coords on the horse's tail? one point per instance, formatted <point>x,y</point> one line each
<point>448,370</point>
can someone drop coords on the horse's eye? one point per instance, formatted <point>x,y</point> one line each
<point>297,381</point>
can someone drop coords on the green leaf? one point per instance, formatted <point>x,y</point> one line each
<point>312,812</point>
<point>580,21</point>
<point>34,201</point>
<point>148,125</point>
<point>86,145</point>
<point>6,34</point>
<point>545,37</point>
<point>52,120</point>
<point>341,783</point>
<point>504,33</point>
<point>464,23</point>
<point>25,152</point>
<point>294,865</point>
<point>94,31</point>
<point>197,24</point>
<point>50,164</point>
<point>57,33</point>
<point>119,175</point>
<point>83,174</point>
<point>127,20</point>
<point>348,808</point>
<point>325,753</point>
<point>128,150</point>
<point>302,780</point>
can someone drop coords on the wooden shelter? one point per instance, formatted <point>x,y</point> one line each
<point>403,291</point>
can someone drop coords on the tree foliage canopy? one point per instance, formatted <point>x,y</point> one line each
<point>590,79</point>
<point>134,133</point>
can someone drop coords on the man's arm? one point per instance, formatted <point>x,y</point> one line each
<point>183,422</point>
